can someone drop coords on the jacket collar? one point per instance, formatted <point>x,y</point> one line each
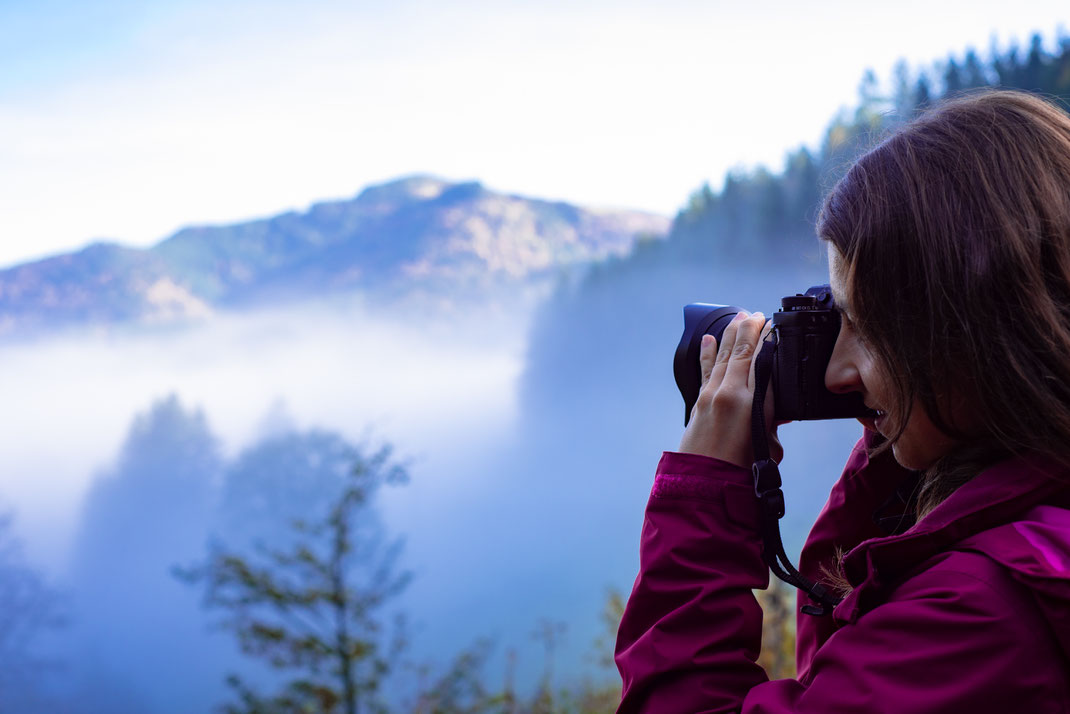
<point>995,496</point>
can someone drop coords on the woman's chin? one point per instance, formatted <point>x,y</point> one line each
<point>910,459</point>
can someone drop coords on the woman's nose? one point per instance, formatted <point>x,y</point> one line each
<point>842,374</point>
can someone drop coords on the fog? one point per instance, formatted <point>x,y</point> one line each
<point>530,432</point>
<point>426,386</point>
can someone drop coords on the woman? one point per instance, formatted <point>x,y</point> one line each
<point>949,257</point>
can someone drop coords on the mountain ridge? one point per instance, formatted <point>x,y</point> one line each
<point>416,234</point>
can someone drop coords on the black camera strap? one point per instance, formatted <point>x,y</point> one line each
<point>767,484</point>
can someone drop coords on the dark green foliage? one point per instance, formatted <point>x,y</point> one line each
<point>953,80</point>
<point>977,75</point>
<point>313,610</point>
<point>1035,75</point>
<point>759,215</point>
<point>759,211</point>
<point>923,96</point>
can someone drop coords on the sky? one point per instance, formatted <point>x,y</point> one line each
<point>124,121</point>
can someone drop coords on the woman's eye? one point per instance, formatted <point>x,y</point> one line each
<point>848,326</point>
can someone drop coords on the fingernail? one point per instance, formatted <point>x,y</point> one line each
<point>739,316</point>
<point>707,340</point>
<point>759,314</point>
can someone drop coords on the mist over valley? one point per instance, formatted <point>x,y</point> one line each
<point>528,406</point>
<point>128,375</point>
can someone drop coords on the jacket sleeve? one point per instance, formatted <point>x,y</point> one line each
<point>692,629</point>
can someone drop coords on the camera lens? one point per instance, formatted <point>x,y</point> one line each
<point>699,319</point>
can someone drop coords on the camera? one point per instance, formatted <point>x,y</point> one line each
<point>804,334</point>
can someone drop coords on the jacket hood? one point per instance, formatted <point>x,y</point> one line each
<point>1009,512</point>
<point>1036,552</point>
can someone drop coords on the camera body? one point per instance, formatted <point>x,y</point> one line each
<point>804,333</point>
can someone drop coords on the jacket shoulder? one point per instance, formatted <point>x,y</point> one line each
<point>956,634</point>
<point>969,578</point>
<point>1033,555</point>
<point>1037,545</point>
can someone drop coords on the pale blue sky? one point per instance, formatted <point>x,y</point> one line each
<point>126,120</point>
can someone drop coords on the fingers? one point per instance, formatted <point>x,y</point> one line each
<point>724,352</point>
<point>776,449</point>
<point>707,355</point>
<point>747,334</point>
<point>720,420</point>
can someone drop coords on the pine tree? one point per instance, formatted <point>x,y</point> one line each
<point>953,81</point>
<point>313,609</point>
<point>1061,68</point>
<point>1034,77</point>
<point>976,75</point>
<point>922,92</point>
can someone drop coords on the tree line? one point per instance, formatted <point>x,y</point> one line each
<point>759,211</point>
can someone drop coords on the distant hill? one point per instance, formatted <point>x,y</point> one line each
<point>417,235</point>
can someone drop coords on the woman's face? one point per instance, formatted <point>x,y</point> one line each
<point>853,368</point>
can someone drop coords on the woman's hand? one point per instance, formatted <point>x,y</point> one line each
<point>720,420</point>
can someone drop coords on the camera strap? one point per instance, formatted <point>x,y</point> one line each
<point>767,484</point>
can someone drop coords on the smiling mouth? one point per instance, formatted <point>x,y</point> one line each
<point>873,422</point>
<point>876,411</point>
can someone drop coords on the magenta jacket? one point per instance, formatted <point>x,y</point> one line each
<point>967,611</point>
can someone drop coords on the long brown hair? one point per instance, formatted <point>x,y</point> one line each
<point>955,235</point>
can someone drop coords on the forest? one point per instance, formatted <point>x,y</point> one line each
<point>758,212</point>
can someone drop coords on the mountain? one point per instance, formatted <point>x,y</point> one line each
<point>414,236</point>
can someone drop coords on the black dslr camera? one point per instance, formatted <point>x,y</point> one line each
<point>804,332</point>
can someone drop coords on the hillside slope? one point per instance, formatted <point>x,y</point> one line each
<point>417,235</point>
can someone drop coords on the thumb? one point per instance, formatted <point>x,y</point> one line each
<point>776,449</point>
